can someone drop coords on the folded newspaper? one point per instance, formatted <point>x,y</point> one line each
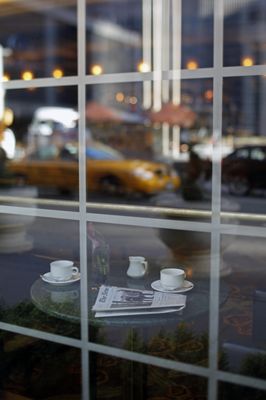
<point>115,301</point>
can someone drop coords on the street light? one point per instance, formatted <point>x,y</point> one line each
<point>192,64</point>
<point>96,69</point>
<point>119,97</point>
<point>27,75</point>
<point>208,94</point>
<point>247,61</point>
<point>133,100</point>
<point>58,73</point>
<point>6,78</point>
<point>144,67</point>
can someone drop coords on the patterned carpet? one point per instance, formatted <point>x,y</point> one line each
<point>31,369</point>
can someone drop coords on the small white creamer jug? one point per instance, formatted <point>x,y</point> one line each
<point>137,267</point>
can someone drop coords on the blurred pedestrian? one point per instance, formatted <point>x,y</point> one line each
<point>194,176</point>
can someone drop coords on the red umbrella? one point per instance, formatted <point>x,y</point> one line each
<point>173,114</point>
<point>96,112</point>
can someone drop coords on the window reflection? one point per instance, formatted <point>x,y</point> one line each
<point>49,43</point>
<point>33,368</point>
<point>28,245</point>
<point>39,143</point>
<point>228,391</point>
<point>149,151</point>
<point>242,334</point>
<point>127,379</point>
<point>44,39</point>
<point>130,155</point>
<point>243,169</point>
<point>244,30</point>
<point>160,166</point>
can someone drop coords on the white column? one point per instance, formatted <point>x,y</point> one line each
<point>176,64</point>
<point>166,48</point>
<point>165,67</point>
<point>157,54</point>
<point>146,49</point>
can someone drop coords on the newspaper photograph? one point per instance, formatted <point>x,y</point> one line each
<point>112,298</point>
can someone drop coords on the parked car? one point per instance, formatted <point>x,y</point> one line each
<point>245,169</point>
<point>107,171</point>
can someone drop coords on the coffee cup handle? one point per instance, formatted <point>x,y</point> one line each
<point>75,270</point>
<point>145,263</point>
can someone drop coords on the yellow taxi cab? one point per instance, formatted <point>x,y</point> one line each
<point>107,171</point>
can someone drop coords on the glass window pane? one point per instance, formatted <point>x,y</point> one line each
<point>244,32</point>
<point>131,35</point>
<point>35,369</point>
<point>40,146</point>
<point>197,34</point>
<point>131,380</point>
<point>242,316</point>
<point>141,157</point>
<point>244,166</point>
<point>30,295</point>
<point>39,40</point>
<point>114,36</point>
<point>150,149</point>
<point>165,335</point>
<point>229,391</point>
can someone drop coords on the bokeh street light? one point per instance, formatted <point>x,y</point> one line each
<point>247,61</point>
<point>144,67</point>
<point>6,78</point>
<point>27,75</point>
<point>120,97</point>
<point>58,73</point>
<point>192,64</point>
<point>208,94</point>
<point>96,69</point>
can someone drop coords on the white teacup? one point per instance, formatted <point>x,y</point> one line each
<point>62,270</point>
<point>172,278</point>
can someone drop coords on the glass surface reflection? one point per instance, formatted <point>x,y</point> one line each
<point>229,391</point>
<point>41,160</point>
<point>27,247</point>
<point>242,316</point>
<point>43,43</point>
<point>123,36</point>
<point>244,161</point>
<point>169,335</point>
<point>146,156</point>
<point>125,379</point>
<point>34,369</point>
<point>244,31</point>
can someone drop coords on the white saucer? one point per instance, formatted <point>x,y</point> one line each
<point>47,277</point>
<point>156,285</point>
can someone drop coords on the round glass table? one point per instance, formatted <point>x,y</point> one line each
<point>64,302</point>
